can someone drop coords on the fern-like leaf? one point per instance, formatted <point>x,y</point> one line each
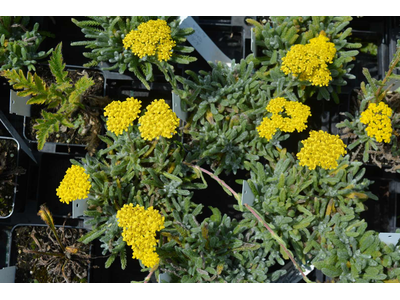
<point>32,85</point>
<point>80,87</point>
<point>57,68</point>
<point>48,124</point>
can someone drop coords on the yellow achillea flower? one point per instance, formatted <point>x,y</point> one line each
<point>139,231</point>
<point>158,120</point>
<point>75,185</point>
<point>321,149</point>
<point>377,119</point>
<point>287,116</point>
<point>121,114</point>
<point>309,62</point>
<point>151,38</point>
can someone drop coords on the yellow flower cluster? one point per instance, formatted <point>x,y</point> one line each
<point>287,116</point>
<point>139,231</point>
<point>309,62</point>
<point>121,114</point>
<point>158,120</point>
<point>321,149</point>
<point>377,119</point>
<point>75,185</point>
<point>151,38</point>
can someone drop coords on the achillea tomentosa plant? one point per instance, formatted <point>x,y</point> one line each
<point>18,45</point>
<point>138,171</point>
<point>135,44</point>
<point>296,200</point>
<point>305,55</point>
<point>225,107</point>
<point>61,100</point>
<point>373,130</point>
<point>302,206</point>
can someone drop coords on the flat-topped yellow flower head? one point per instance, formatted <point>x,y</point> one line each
<point>139,231</point>
<point>310,62</point>
<point>151,38</point>
<point>158,120</point>
<point>321,149</point>
<point>287,116</point>
<point>377,119</point>
<point>74,186</point>
<point>121,114</point>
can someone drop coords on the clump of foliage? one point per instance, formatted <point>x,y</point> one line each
<point>105,37</point>
<point>18,45</point>
<point>367,145</point>
<point>225,106</point>
<point>133,170</point>
<point>295,200</point>
<point>61,100</point>
<point>276,38</point>
<point>350,253</point>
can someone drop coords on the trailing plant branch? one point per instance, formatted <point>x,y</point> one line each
<point>279,240</point>
<point>219,180</point>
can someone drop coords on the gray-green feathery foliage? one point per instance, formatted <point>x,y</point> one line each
<point>349,253</point>
<point>220,249</point>
<point>225,106</point>
<point>132,170</point>
<point>18,45</point>
<point>367,148</point>
<point>104,36</point>
<point>275,38</point>
<point>297,202</point>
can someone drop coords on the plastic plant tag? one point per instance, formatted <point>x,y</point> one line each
<point>253,45</point>
<point>18,105</point>
<point>202,43</point>
<point>389,237</point>
<point>7,274</point>
<point>164,278</point>
<point>247,195</point>
<point>78,207</point>
<point>176,107</point>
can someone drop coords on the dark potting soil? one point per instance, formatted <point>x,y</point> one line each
<point>93,102</point>
<point>8,172</point>
<point>41,268</point>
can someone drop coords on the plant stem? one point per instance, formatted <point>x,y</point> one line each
<point>219,180</point>
<point>147,279</point>
<point>280,242</point>
<point>44,253</point>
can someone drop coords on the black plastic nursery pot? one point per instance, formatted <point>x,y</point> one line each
<point>22,238</point>
<point>8,175</point>
<point>5,232</point>
<point>58,142</point>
